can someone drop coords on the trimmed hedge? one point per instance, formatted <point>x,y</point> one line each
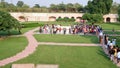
<point>28,25</point>
<point>65,19</point>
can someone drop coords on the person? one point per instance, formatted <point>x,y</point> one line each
<point>105,39</point>
<point>108,43</point>
<point>64,30</point>
<point>111,52</point>
<point>84,30</point>
<point>118,56</point>
<point>113,30</point>
<point>114,42</point>
<point>115,53</point>
<point>101,37</point>
<point>40,30</point>
<point>70,30</point>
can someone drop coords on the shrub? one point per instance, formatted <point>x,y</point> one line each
<point>65,19</point>
<point>93,18</point>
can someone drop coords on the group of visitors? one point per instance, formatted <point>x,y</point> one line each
<point>52,29</point>
<point>112,48</point>
<point>72,29</point>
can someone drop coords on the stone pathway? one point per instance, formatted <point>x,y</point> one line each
<point>47,66</point>
<point>67,44</point>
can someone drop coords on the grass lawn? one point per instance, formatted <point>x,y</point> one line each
<point>110,26</point>
<point>12,32</point>
<point>69,57</point>
<point>110,32</point>
<point>117,39</point>
<point>36,24</point>
<point>15,32</point>
<point>11,46</point>
<point>23,30</point>
<point>66,38</point>
<point>105,26</point>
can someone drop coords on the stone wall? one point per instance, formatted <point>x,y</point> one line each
<point>54,16</point>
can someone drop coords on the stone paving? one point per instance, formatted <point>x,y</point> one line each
<point>23,66</point>
<point>47,66</point>
<point>67,44</point>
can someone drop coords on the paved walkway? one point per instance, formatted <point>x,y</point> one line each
<point>32,44</point>
<point>67,44</point>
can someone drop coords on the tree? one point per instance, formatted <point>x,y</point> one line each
<point>78,7</point>
<point>93,18</point>
<point>7,22</point>
<point>61,7</point>
<point>36,6</point>
<point>119,12</point>
<point>53,7</point>
<point>114,8</point>
<point>25,6</point>
<point>99,6</point>
<point>3,4</point>
<point>20,4</point>
<point>70,7</point>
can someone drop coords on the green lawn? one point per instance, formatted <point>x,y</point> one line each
<point>12,32</point>
<point>15,32</point>
<point>110,26</point>
<point>23,30</point>
<point>105,26</point>
<point>11,46</point>
<point>110,32</point>
<point>117,39</point>
<point>66,38</point>
<point>36,24</point>
<point>69,57</point>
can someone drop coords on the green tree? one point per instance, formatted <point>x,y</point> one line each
<point>3,4</point>
<point>7,22</point>
<point>119,12</point>
<point>53,8</point>
<point>20,4</point>
<point>78,7</point>
<point>99,6</point>
<point>36,6</point>
<point>70,7</point>
<point>61,7</point>
<point>93,18</point>
<point>25,6</point>
<point>114,8</point>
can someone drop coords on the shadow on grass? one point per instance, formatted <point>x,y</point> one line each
<point>93,38</point>
<point>102,53</point>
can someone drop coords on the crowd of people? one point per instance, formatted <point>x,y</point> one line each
<point>110,45</point>
<point>112,49</point>
<point>72,29</point>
